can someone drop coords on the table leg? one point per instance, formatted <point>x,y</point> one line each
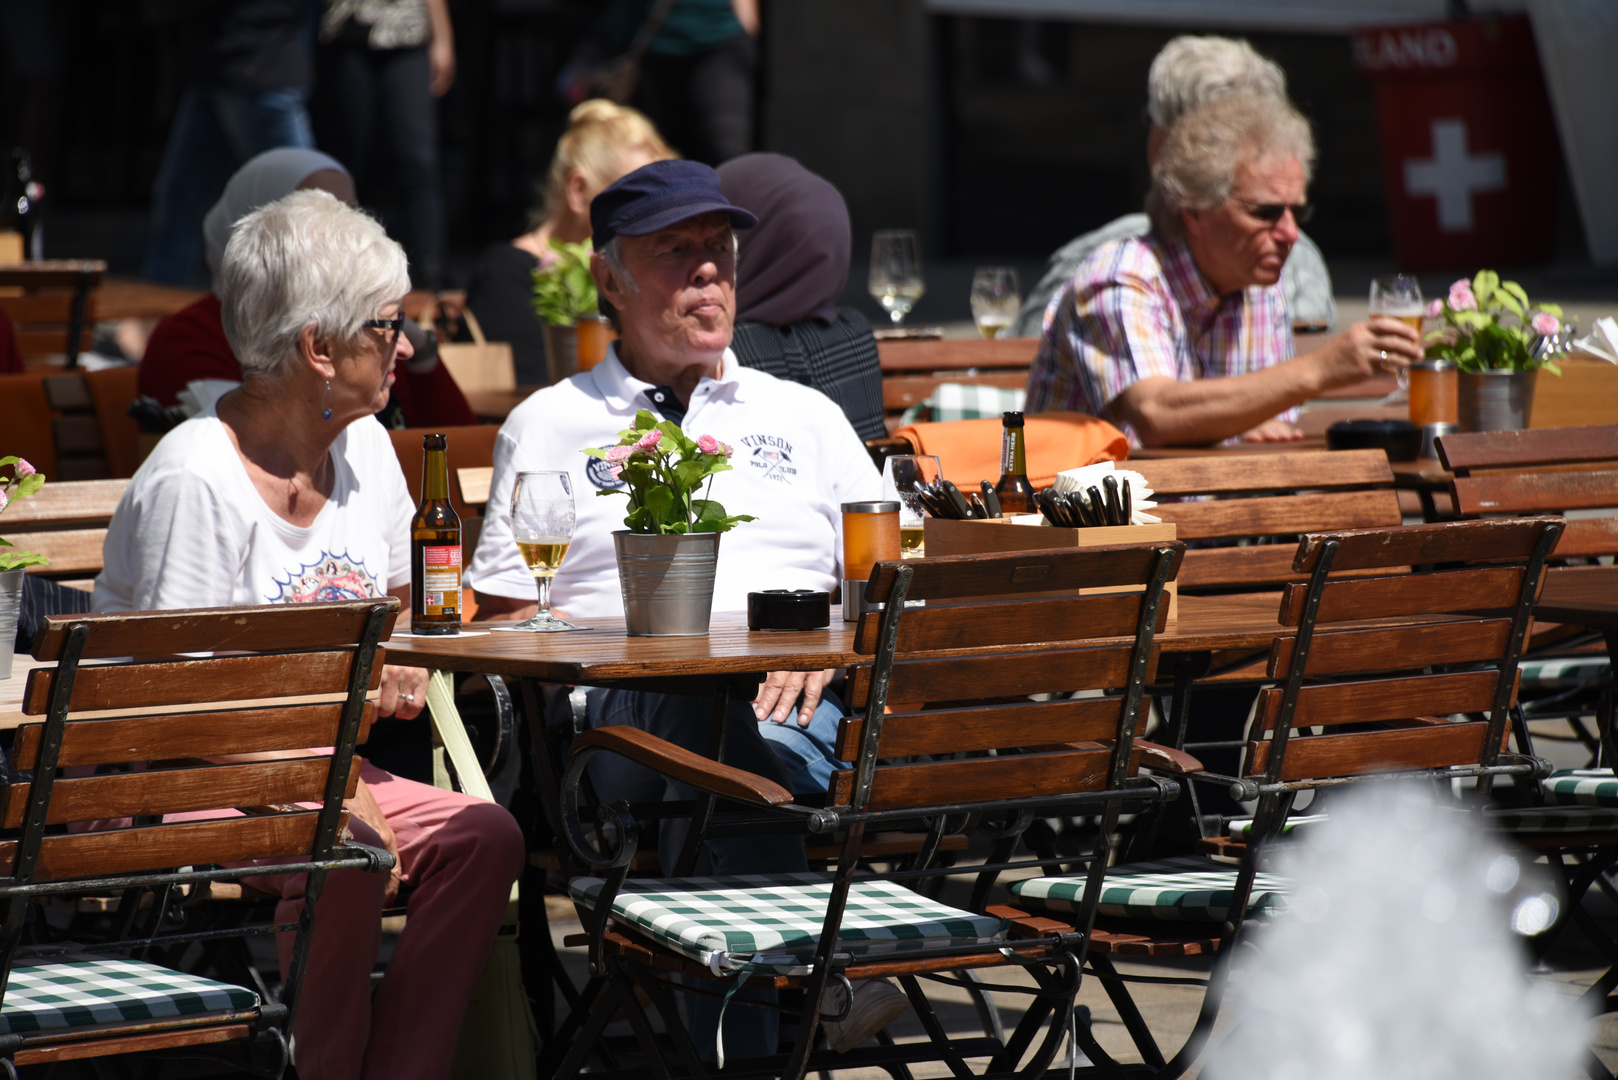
<point>1607,706</point>
<point>703,813</point>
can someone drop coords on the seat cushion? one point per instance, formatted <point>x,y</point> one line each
<point>80,992</point>
<point>1564,672</point>
<point>774,922</point>
<point>1553,819</point>
<point>1581,787</point>
<point>1182,889</point>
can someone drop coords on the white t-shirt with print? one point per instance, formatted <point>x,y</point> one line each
<point>796,462</point>
<point>192,531</point>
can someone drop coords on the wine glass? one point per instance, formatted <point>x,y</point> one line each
<point>1398,297</point>
<point>895,280</point>
<point>902,474</point>
<point>996,298</point>
<point>542,524</point>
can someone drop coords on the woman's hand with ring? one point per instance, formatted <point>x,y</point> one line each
<point>404,691</point>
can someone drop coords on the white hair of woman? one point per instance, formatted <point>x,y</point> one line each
<point>304,260</point>
<point>1191,71</point>
<point>1196,168</point>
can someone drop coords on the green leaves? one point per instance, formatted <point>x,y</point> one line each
<point>1483,339</point>
<point>563,289</point>
<point>24,482</point>
<point>661,469</point>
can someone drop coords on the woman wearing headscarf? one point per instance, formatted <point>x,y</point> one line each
<point>603,141</point>
<point>790,271</point>
<point>285,490</point>
<point>191,343</point>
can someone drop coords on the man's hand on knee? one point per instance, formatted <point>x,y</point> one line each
<point>784,689</point>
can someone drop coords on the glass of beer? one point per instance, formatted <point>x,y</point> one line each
<point>902,475</point>
<point>542,524</point>
<point>996,298</point>
<point>1399,297</point>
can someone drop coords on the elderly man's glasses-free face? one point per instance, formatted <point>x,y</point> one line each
<point>1271,213</point>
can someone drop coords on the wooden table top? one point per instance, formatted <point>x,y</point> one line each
<point>493,406</point>
<point>1582,595</point>
<point>128,298</point>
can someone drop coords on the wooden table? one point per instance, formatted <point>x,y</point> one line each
<point>493,406</point>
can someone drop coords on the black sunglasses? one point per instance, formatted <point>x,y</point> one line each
<point>1270,213</point>
<point>393,325</point>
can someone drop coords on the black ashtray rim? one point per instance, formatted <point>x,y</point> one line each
<point>1400,439</point>
<point>788,610</point>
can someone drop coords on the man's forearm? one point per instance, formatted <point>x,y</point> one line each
<point>1167,412</point>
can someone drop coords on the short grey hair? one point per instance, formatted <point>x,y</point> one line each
<point>304,260</point>
<point>612,253</point>
<point>1192,71</point>
<point>1196,168</point>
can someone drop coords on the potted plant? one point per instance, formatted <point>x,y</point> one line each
<point>1497,359</point>
<point>565,301</point>
<point>669,546</point>
<point>23,482</point>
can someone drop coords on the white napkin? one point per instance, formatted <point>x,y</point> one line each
<point>200,393</point>
<point>1076,482</point>
<point>1602,341</point>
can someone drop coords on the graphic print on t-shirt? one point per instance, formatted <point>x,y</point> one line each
<point>331,577</point>
<point>771,455</point>
<point>599,472</point>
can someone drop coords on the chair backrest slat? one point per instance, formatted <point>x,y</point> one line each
<point>1222,519</point>
<point>192,843</point>
<point>227,678</point>
<point>151,793</point>
<point>274,628</point>
<point>1528,493</point>
<point>1433,747</point>
<point>1484,589</point>
<point>1229,474</point>
<point>1516,449</point>
<point>982,779</point>
<point>1373,549</point>
<point>1011,622</point>
<point>1373,700</point>
<point>180,735</point>
<point>958,678</point>
<point>1349,652</point>
<point>952,577</point>
<point>965,730</point>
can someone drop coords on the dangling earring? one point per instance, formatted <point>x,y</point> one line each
<point>325,402</point>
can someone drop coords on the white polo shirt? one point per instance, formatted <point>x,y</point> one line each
<point>796,462</point>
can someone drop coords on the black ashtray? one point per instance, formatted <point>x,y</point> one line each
<point>1400,438</point>
<point>788,609</point>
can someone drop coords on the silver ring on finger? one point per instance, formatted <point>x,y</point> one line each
<point>409,697</point>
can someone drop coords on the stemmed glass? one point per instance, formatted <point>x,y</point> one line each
<point>1398,297</point>
<point>901,475</point>
<point>895,280</point>
<point>996,298</point>
<point>542,524</point>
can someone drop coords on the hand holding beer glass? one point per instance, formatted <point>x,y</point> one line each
<point>1398,297</point>
<point>542,520</point>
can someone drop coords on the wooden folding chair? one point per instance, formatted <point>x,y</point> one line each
<point>124,742</point>
<point>50,303</point>
<point>1447,643</point>
<point>986,751</point>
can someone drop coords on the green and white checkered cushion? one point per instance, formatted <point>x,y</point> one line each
<point>965,401</point>
<point>775,921</point>
<point>1564,672</point>
<point>1553,819</point>
<point>1242,828</point>
<point>1182,889</point>
<point>80,992</point>
<point>1581,787</point>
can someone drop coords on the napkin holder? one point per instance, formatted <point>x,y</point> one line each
<point>1029,532</point>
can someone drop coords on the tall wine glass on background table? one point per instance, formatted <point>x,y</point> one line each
<point>542,521</point>
<point>901,475</point>
<point>996,298</point>
<point>1398,297</point>
<point>895,280</point>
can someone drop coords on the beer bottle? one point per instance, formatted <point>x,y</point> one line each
<point>435,548</point>
<point>1016,494</point>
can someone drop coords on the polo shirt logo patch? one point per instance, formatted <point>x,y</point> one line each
<point>599,472</point>
<point>772,456</point>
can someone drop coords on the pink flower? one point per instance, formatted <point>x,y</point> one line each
<point>4,498</point>
<point>617,455</point>
<point>710,445</point>
<point>648,440</point>
<point>1545,324</point>
<point>1461,298</point>
<point>724,448</point>
<point>1435,309</point>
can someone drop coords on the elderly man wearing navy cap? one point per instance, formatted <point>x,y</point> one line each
<point>665,266</point>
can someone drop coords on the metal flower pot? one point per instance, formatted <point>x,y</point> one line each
<point>667,582</point>
<point>10,609</point>
<point>1495,400</point>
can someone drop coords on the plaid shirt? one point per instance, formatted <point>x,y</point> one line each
<point>1139,308</point>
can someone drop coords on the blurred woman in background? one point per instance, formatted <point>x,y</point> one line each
<point>603,141</point>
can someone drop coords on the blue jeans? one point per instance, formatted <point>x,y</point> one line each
<point>215,132</point>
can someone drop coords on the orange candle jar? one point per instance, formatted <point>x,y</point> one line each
<point>594,335</point>
<point>870,536</point>
<point>1434,392</point>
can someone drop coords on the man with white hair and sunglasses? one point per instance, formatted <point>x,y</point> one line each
<point>1177,336</point>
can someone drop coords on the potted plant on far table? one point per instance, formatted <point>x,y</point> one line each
<point>23,482</point>
<point>565,301</point>
<point>1499,342</point>
<point>669,547</point>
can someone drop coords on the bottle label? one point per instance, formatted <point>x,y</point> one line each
<point>441,579</point>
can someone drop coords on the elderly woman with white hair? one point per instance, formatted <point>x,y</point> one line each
<point>1192,70</point>
<point>286,490</point>
<point>1172,335</point>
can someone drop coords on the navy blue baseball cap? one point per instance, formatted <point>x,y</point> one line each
<point>658,195</point>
